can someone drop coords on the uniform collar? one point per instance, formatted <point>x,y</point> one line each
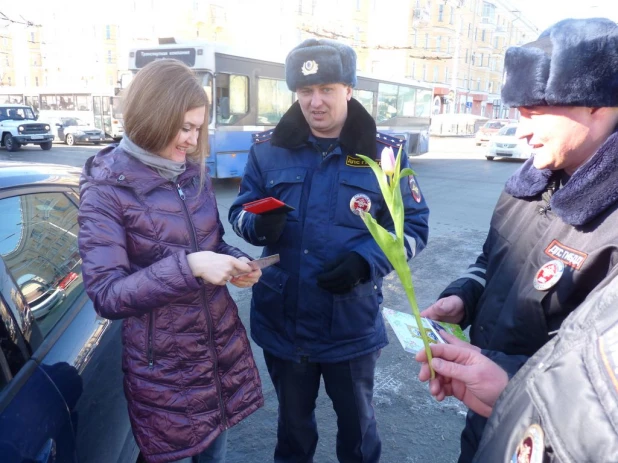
<point>358,134</point>
<point>591,190</point>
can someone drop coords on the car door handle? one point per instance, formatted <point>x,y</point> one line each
<point>47,454</point>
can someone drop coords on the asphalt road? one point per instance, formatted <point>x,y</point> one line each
<point>461,188</point>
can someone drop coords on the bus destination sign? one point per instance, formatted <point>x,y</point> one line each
<point>186,55</point>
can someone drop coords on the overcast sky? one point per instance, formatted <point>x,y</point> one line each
<point>544,13</point>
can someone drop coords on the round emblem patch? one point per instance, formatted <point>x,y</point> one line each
<point>360,202</point>
<point>531,447</point>
<point>548,275</point>
<point>414,189</point>
<point>309,67</point>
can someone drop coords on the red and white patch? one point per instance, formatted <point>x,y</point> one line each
<point>360,202</point>
<point>531,448</point>
<point>414,189</point>
<point>548,275</point>
<point>568,256</point>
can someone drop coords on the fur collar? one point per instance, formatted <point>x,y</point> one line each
<point>358,134</point>
<point>591,190</point>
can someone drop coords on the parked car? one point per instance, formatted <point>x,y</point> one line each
<point>19,126</point>
<point>488,130</point>
<point>61,391</point>
<point>506,144</point>
<point>72,130</point>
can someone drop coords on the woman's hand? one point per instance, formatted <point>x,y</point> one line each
<point>246,280</point>
<point>218,269</point>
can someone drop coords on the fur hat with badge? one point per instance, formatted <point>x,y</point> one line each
<point>322,61</point>
<point>573,63</point>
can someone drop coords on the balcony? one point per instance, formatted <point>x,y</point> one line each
<point>487,22</point>
<point>500,31</point>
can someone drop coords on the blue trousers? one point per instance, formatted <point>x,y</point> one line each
<point>349,385</point>
<point>215,453</point>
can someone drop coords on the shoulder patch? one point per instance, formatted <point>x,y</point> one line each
<point>388,140</point>
<point>261,137</point>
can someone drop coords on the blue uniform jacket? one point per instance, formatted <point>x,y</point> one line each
<point>291,316</point>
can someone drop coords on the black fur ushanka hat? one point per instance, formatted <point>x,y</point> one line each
<point>573,63</point>
<point>321,61</point>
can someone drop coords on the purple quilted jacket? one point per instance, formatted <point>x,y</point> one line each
<point>189,371</point>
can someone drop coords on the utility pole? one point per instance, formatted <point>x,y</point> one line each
<point>472,33</point>
<point>456,62</point>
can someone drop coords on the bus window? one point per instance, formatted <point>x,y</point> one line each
<point>387,102</point>
<point>48,102</point>
<point>116,107</point>
<point>274,99</point>
<point>365,97</point>
<point>207,84</point>
<point>83,103</point>
<point>232,94</point>
<point>423,103</point>
<point>33,101</point>
<point>66,102</point>
<point>405,101</point>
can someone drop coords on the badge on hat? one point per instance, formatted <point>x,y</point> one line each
<point>309,67</point>
<point>531,447</point>
<point>414,189</point>
<point>360,202</point>
<point>548,275</point>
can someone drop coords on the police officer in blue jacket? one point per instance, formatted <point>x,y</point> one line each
<point>316,313</point>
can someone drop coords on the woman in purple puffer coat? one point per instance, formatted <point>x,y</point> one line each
<point>153,255</point>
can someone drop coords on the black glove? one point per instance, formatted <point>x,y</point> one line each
<point>268,227</point>
<point>344,273</point>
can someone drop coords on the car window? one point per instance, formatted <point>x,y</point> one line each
<point>508,131</point>
<point>493,125</point>
<point>38,244</point>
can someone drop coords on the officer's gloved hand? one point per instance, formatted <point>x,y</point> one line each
<point>344,273</point>
<point>268,227</point>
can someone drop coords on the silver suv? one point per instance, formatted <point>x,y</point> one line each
<point>19,126</point>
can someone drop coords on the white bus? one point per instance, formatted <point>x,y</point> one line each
<point>100,108</point>
<point>250,95</point>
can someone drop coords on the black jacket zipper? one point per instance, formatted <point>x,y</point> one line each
<point>211,343</point>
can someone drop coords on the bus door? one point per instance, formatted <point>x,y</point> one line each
<point>97,112</point>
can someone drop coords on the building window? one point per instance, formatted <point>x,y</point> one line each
<point>36,81</point>
<point>476,33</point>
<point>452,16</point>
<point>495,42</point>
<point>108,32</point>
<point>9,79</point>
<point>481,60</point>
<point>467,56</point>
<point>32,37</point>
<point>469,30</point>
<point>414,70</point>
<point>358,5</point>
<point>426,41</point>
<point>483,35</point>
<point>109,57</point>
<point>478,84</point>
<point>415,37</point>
<point>446,75</point>
<point>439,43</point>
<point>448,45</point>
<point>472,58</point>
<point>441,13</point>
<point>436,74</point>
<point>424,73</point>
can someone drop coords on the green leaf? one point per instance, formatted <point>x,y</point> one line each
<point>381,176</point>
<point>407,171</point>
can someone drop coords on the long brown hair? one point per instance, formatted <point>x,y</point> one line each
<point>155,103</point>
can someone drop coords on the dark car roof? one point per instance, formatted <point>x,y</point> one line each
<point>14,174</point>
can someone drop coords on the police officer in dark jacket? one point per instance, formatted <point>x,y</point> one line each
<point>562,404</point>
<point>316,313</point>
<point>554,233</point>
